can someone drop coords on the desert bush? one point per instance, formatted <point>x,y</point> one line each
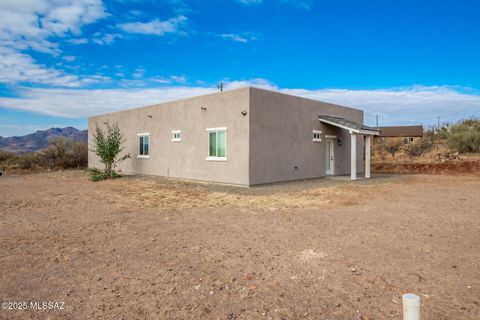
<point>55,155</point>
<point>28,161</point>
<point>5,155</point>
<point>79,155</point>
<point>393,145</point>
<point>108,146</point>
<point>419,147</point>
<point>464,137</point>
<point>64,153</point>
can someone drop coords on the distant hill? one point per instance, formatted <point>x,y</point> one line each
<point>39,139</point>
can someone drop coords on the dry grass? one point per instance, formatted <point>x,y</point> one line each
<point>144,193</point>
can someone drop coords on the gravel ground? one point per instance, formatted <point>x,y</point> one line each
<point>151,248</point>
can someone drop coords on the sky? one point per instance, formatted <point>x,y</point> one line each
<point>409,62</point>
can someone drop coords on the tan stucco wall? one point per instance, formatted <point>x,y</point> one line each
<point>186,159</point>
<point>281,129</point>
<point>264,146</point>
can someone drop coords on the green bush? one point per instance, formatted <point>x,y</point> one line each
<point>464,137</point>
<point>99,175</point>
<point>108,146</point>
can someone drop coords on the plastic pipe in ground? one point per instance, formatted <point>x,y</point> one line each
<point>411,306</point>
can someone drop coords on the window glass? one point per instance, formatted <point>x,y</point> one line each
<point>146,145</point>
<point>143,143</point>
<point>213,144</point>
<point>221,144</point>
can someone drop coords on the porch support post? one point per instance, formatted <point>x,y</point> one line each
<point>353,156</point>
<point>368,142</point>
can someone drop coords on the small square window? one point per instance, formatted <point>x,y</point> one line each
<point>317,136</point>
<point>176,135</point>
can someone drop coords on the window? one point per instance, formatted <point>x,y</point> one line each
<point>144,145</point>
<point>317,136</point>
<point>217,141</point>
<point>408,140</point>
<point>176,135</point>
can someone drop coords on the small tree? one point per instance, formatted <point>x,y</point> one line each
<point>393,145</point>
<point>57,153</point>
<point>107,146</point>
<point>420,147</point>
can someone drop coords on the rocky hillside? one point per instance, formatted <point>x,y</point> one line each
<point>39,139</point>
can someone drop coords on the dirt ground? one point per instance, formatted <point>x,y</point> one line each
<point>150,248</point>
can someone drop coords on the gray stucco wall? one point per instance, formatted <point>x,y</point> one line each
<point>263,146</point>
<point>281,128</point>
<point>185,159</point>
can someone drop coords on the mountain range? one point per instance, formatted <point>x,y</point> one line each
<point>38,140</point>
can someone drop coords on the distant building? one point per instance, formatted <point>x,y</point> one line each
<point>409,133</point>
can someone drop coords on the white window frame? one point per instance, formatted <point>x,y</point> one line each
<point>144,134</point>
<point>220,129</point>
<point>315,132</point>
<point>175,132</point>
<point>409,140</point>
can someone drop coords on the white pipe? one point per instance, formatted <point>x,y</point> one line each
<point>368,140</point>
<point>353,156</point>
<point>411,306</point>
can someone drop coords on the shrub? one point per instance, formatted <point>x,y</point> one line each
<point>27,161</point>
<point>419,147</point>
<point>464,137</point>
<point>393,145</point>
<point>79,155</point>
<point>99,175</point>
<point>107,146</point>
<point>64,153</point>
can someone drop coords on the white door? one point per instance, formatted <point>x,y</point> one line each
<point>329,157</point>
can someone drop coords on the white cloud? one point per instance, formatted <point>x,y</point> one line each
<point>77,41</point>
<point>17,67</point>
<point>31,25</point>
<point>409,105</point>
<point>156,26</point>
<point>250,2</point>
<point>106,39</point>
<point>139,72</point>
<point>83,103</point>
<point>301,4</point>
<point>69,58</point>
<point>239,37</point>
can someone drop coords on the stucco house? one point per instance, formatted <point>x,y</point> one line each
<point>247,136</point>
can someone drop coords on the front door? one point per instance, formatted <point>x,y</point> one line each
<point>329,157</point>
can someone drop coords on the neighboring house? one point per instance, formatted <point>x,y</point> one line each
<point>246,136</point>
<point>409,134</point>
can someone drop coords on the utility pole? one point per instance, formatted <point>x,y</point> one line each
<point>438,123</point>
<point>220,86</point>
<point>377,121</point>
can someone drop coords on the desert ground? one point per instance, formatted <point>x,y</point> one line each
<point>151,248</point>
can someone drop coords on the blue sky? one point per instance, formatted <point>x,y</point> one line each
<point>407,61</point>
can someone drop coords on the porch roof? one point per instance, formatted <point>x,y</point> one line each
<point>349,125</point>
